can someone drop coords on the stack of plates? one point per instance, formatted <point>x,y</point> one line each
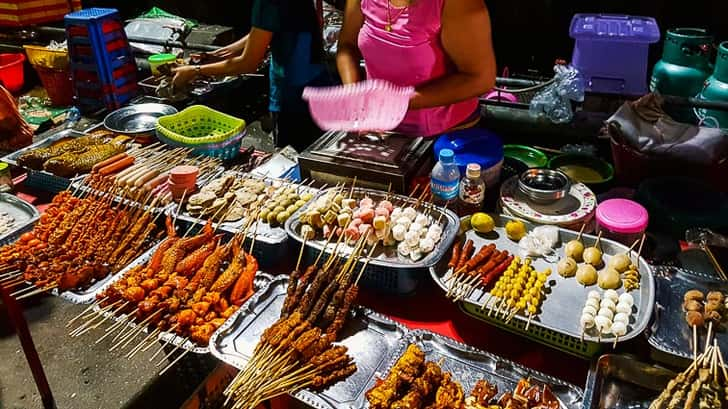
<point>577,208</point>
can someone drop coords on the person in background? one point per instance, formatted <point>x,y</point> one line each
<point>291,28</point>
<point>441,47</point>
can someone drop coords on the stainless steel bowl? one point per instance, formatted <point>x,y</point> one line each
<point>543,185</point>
<point>135,120</point>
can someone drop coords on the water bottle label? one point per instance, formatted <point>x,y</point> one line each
<point>444,189</point>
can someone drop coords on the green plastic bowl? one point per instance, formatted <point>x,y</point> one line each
<point>604,172</point>
<point>533,158</point>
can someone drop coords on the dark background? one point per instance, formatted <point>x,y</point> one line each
<point>527,34</point>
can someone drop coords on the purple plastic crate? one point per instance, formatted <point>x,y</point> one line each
<point>611,51</point>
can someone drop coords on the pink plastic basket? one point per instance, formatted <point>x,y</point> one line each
<point>372,105</point>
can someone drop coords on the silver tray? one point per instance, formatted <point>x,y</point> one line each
<point>386,256</point>
<point>562,307</point>
<point>137,119</point>
<point>23,212</point>
<point>669,333</point>
<point>623,382</point>
<point>88,295</point>
<point>263,232</point>
<point>261,283</point>
<point>469,365</point>
<point>370,337</point>
<point>12,158</point>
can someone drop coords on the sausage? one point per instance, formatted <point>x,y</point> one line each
<point>481,256</point>
<point>493,262</point>
<point>467,252</point>
<point>455,255</point>
<point>146,177</point>
<point>117,166</point>
<point>136,175</point>
<point>107,162</point>
<point>498,270</point>
<point>497,257</point>
<point>127,171</point>
<point>152,184</point>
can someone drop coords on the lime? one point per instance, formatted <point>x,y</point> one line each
<point>482,223</point>
<point>464,225</point>
<point>515,230</point>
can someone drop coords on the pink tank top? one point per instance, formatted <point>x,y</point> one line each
<point>411,54</point>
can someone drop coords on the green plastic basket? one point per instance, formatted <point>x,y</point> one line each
<point>199,125</point>
<point>565,343</point>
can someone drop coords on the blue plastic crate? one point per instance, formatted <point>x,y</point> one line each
<point>91,15</point>
<point>108,37</point>
<point>100,60</point>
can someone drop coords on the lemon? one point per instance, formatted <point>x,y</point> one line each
<point>515,230</point>
<point>482,223</point>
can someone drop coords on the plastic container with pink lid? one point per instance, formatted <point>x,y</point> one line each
<point>622,220</point>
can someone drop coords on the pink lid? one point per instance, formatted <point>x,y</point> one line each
<point>622,216</point>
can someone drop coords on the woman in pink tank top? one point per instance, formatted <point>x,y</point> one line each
<point>441,47</point>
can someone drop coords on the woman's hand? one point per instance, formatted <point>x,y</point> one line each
<point>230,50</point>
<point>183,76</point>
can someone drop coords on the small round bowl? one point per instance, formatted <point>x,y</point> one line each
<point>589,170</point>
<point>543,185</point>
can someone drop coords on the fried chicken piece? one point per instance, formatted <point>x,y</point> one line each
<point>134,294</point>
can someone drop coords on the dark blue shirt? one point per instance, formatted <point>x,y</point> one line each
<point>294,61</point>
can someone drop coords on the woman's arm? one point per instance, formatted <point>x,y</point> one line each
<point>253,54</point>
<point>467,41</point>
<point>348,56</point>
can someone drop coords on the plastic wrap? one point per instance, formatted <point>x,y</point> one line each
<point>554,101</point>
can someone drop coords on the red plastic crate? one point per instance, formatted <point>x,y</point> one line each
<point>18,13</point>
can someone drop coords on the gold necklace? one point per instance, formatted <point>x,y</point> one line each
<point>388,26</point>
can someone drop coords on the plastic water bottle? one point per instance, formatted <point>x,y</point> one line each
<point>445,178</point>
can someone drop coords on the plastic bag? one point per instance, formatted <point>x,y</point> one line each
<point>15,133</point>
<point>554,101</point>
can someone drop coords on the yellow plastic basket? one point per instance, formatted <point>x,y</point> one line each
<point>199,125</point>
<point>43,57</point>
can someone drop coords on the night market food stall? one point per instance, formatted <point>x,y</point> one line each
<point>159,240</point>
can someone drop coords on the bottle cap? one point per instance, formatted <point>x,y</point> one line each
<point>473,170</point>
<point>447,156</point>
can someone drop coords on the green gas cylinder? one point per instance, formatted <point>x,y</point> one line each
<point>684,66</point>
<point>716,89</point>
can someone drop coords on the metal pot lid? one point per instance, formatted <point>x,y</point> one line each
<point>134,119</point>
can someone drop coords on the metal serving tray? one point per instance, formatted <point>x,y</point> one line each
<point>24,213</point>
<point>623,382</point>
<point>12,158</point>
<point>561,308</point>
<point>261,283</point>
<point>387,257</point>
<point>669,333</point>
<point>264,233</point>
<point>370,337</point>
<point>469,365</point>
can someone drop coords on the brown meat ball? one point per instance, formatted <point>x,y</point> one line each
<point>712,316</point>
<point>716,296</point>
<point>713,306</point>
<point>694,319</point>
<point>694,295</point>
<point>692,305</point>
